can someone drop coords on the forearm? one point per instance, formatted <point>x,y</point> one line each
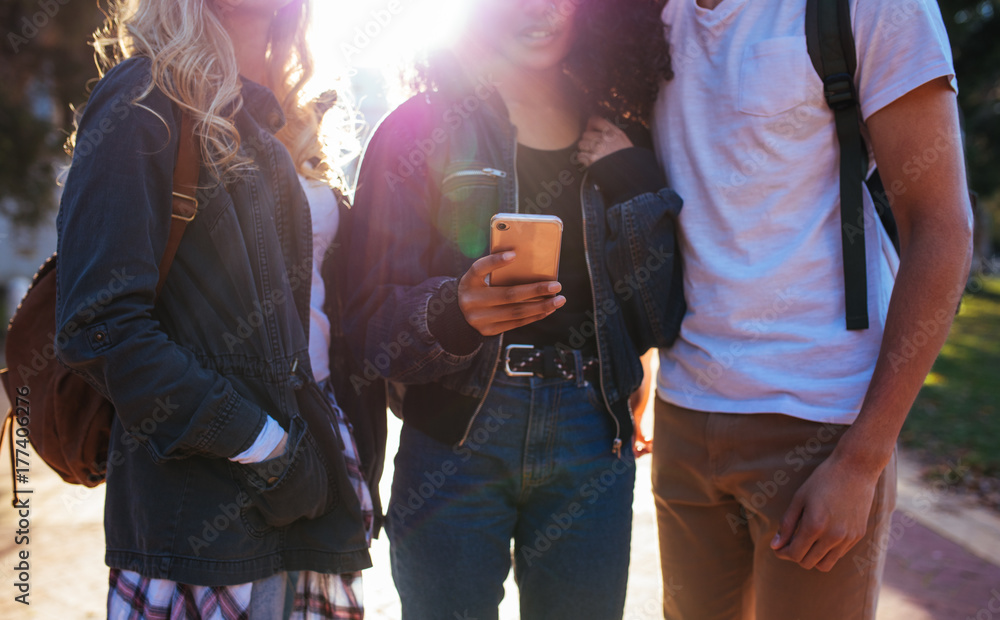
<point>397,326</point>
<point>644,266</point>
<point>932,272</point>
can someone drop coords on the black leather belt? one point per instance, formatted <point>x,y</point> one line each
<point>525,360</point>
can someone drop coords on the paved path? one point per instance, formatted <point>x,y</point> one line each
<point>928,577</point>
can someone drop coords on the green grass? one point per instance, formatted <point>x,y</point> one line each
<point>955,417</point>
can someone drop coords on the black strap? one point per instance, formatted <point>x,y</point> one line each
<point>881,200</point>
<point>831,48</point>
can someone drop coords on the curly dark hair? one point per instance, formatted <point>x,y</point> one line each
<point>618,59</point>
<point>620,56</point>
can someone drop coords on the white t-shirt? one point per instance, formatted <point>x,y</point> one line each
<point>749,143</point>
<point>325,220</point>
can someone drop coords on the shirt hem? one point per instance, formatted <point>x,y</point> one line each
<point>206,572</point>
<point>802,411</point>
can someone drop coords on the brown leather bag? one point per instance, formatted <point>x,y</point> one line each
<point>67,421</point>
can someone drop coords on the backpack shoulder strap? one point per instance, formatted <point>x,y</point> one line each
<point>831,47</point>
<point>185,188</point>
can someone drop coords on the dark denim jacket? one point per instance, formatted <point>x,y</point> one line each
<point>436,170</point>
<point>192,374</point>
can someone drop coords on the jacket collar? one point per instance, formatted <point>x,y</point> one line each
<point>262,105</point>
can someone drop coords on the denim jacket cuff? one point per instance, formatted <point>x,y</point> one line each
<point>237,429</point>
<point>447,324</point>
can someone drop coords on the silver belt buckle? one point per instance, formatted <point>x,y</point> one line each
<point>506,361</point>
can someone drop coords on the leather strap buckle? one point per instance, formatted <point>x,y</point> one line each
<point>177,214</point>
<point>506,361</point>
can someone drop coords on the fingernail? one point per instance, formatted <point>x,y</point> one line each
<point>554,287</point>
<point>508,256</point>
<point>560,301</point>
<point>776,541</point>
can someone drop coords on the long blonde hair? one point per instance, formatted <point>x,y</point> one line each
<point>194,65</point>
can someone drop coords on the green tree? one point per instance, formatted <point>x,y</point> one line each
<point>45,65</point>
<point>974,29</point>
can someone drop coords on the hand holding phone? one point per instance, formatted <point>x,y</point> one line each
<point>536,239</point>
<point>526,289</point>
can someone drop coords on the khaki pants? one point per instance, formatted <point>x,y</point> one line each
<point>722,483</point>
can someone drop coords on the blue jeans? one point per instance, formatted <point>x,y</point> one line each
<point>537,467</point>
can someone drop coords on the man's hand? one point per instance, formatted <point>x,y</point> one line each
<point>601,139</point>
<point>492,310</point>
<point>642,445</point>
<point>638,401</point>
<point>828,515</point>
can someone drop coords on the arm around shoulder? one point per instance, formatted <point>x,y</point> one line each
<point>645,266</point>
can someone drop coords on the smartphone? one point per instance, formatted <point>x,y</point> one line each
<point>536,239</point>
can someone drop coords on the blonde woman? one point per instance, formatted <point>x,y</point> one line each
<point>230,483</point>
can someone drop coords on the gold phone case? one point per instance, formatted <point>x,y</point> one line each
<point>535,238</point>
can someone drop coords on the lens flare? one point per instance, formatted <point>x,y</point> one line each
<point>379,33</point>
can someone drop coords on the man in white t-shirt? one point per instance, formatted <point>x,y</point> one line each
<point>776,425</point>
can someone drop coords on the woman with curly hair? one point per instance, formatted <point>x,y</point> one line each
<point>233,488</point>
<point>516,399</point>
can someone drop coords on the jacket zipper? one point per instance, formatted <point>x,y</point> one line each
<point>490,172</point>
<point>496,363</point>
<point>616,445</point>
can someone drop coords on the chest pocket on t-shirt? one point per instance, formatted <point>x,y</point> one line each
<point>774,76</point>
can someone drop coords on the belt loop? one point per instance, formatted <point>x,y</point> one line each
<point>581,381</point>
